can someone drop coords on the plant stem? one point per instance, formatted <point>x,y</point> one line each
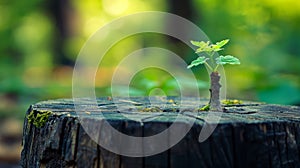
<point>209,67</point>
<point>216,68</point>
<point>215,86</point>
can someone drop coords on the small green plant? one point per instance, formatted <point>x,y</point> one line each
<point>208,51</point>
<point>38,118</point>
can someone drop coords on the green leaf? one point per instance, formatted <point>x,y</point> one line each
<point>204,49</point>
<point>222,43</point>
<point>203,46</point>
<point>218,46</point>
<point>228,59</point>
<point>198,61</point>
<point>199,43</point>
<point>209,48</point>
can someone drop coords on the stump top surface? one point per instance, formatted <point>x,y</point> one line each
<point>167,110</point>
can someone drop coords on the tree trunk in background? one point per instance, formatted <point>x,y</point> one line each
<point>59,11</point>
<point>181,8</point>
<point>184,9</point>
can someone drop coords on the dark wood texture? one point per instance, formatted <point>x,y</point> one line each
<point>248,135</point>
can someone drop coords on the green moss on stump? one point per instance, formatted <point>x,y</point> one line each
<point>38,118</point>
<point>224,103</point>
<point>205,108</point>
<point>232,102</point>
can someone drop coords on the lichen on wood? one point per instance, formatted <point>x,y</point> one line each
<point>38,118</point>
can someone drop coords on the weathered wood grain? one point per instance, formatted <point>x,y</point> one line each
<point>247,135</point>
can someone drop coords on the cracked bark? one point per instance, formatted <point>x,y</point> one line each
<point>215,86</point>
<point>267,138</point>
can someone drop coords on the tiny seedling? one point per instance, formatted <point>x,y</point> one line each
<point>208,51</point>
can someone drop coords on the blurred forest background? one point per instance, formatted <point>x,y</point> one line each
<point>40,40</point>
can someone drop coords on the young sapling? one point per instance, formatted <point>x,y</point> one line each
<point>207,51</point>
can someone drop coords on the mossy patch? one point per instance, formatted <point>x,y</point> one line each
<point>205,108</point>
<point>38,118</point>
<point>224,102</point>
<point>232,102</point>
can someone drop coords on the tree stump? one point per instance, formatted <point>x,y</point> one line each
<point>248,135</point>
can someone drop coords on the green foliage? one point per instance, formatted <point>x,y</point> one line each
<point>198,61</point>
<point>38,118</point>
<point>268,40</point>
<point>220,44</point>
<point>155,82</point>
<point>210,50</point>
<point>228,59</point>
<point>289,94</point>
<point>203,46</point>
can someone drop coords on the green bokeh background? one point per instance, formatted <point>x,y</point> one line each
<point>40,41</point>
